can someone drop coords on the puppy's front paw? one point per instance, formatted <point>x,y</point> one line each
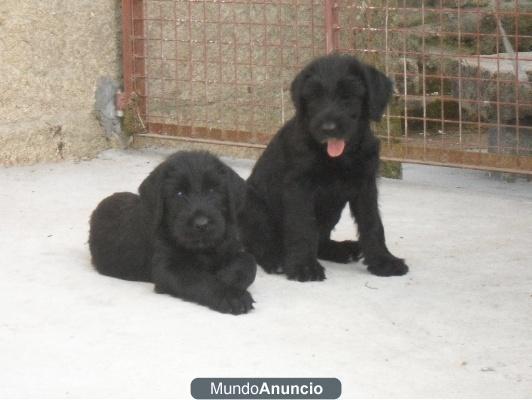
<point>240,272</point>
<point>388,266</point>
<point>235,302</point>
<point>306,272</point>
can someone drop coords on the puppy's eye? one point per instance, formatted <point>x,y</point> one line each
<point>180,194</point>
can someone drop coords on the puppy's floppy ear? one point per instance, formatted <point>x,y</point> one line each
<point>379,88</point>
<point>297,87</point>
<point>151,194</point>
<point>235,189</point>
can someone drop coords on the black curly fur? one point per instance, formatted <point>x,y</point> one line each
<point>298,188</point>
<point>180,232</point>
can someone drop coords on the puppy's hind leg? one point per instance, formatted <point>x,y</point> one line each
<point>331,250</point>
<point>118,241</point>
<point>339,252</point>
<point>259,236</point>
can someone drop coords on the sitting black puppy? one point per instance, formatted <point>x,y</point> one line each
<point>180,233</point>
<point>321,159</point>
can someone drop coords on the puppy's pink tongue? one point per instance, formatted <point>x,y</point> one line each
<point>335,147</point>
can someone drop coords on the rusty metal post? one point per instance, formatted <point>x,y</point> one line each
<point>127,54</point>
<point>331,26</point>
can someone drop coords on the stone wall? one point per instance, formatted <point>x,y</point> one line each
<point>51,55</point>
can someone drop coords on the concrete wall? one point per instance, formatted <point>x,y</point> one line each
<point>51,55</point>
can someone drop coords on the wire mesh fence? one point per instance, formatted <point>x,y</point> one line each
<point>220,71</point>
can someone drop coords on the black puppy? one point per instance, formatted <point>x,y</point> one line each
<point>321,159</point>
<point>180,233</point>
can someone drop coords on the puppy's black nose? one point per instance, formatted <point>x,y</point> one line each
<point>328,126</point>
<point>201,223</point>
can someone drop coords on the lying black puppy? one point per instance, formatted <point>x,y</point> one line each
<point>180,232</point>
<point>324,157</point>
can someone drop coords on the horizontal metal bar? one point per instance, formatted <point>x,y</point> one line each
<point>456,165</point>
<point>385,158</point>
<point>205,141</point>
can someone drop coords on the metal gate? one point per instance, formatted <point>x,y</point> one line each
<point>219,71</point>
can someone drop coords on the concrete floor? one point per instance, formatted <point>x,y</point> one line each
<point>458,325</point>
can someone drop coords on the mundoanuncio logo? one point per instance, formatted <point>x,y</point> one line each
<point>266,388</point>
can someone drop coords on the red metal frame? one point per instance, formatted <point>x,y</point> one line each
<point>127,53</point>
<point>133,55</point>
